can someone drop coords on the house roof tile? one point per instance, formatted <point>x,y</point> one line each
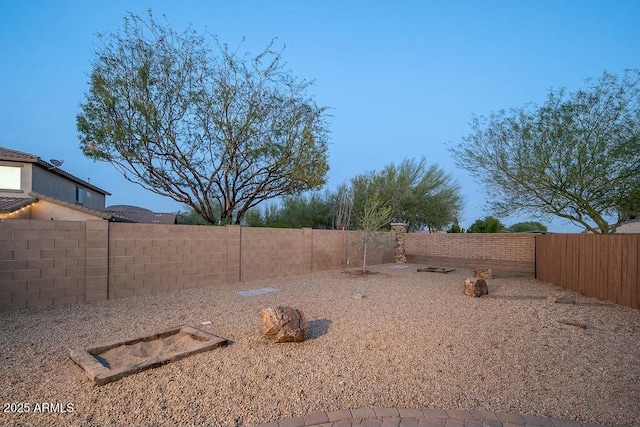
<point>12,204</point>
<point>143,217</point>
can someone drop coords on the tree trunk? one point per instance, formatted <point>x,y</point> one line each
<point>364,259</point>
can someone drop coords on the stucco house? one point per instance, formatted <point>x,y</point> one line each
<point>31,188</point>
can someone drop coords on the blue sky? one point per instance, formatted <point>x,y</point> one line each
<point>402,79</point>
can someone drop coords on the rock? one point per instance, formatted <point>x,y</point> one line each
<point>560,299</point>
<point>283,324</point>
<point>475,287</point>
<point>483,273</point>
<point>358,295</point>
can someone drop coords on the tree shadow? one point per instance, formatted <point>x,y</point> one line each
<point>318,328</point>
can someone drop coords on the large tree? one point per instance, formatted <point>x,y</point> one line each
<point>423,195</point>
<point>576,157</point>
<point>488,224</point>
<point>528,227</point>
<point>184,116</point>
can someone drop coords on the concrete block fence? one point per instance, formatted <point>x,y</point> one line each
<point>54,263</point>
<point>500,251</point>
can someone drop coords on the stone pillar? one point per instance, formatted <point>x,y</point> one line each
<point>399,229</point>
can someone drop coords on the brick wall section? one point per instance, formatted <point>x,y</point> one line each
<point>42,263</point>
<point>268,253</point>
<point>501,251</point>
<point>96,261</point>
<point>50,263</point>
<point>327,249</point>
<point>151,258</point>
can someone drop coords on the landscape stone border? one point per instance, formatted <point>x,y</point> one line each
<point>101,374</point>
<point>427,417</point>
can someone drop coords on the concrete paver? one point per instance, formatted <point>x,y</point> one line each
<point>423,417</point>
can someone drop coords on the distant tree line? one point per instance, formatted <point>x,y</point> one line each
<point>423,196</point>
<point>490,224</point>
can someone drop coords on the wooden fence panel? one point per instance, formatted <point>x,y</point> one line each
<point>606,267</point>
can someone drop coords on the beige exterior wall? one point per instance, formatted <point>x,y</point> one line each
<point>47,211</point>
<point>51,263</point>
<point>504,251</point>
<point>629,227</point>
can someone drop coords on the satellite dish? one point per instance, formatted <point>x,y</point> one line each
<point>56,163</point>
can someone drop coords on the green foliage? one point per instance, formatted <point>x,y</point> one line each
<point>576,157</point>
<point>529,226</point>
<point>455,227</point>
<point>186,117</point>
<point>375,215</point>
<point>424,196</point>
<point>313,210</point>
<point>190,217</point>
<point>487,225</point>
<point>253,218</point>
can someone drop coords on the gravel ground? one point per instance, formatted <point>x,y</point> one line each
<point>413,341</point>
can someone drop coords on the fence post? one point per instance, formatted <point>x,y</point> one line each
<point>234,253</point>
<point>307,250</point>
<point>96,283</point>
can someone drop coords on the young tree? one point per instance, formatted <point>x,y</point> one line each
<point>487,225</point>
<point>421,195</point>
<point>196,122</point>
<point>375,215</point>
<point>576,157</point>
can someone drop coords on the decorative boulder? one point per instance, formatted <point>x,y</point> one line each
<point>283,324</point>
<point>483,273</point>
<point>475,287</point>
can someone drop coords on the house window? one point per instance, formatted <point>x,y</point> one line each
<point>10,177</point>
<point>79,192</point>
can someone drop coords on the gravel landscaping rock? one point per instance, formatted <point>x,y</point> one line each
<point>409,344</point>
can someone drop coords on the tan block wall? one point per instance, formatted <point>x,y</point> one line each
<point>269,252</point>
<point>328,249</point>
<point>44,263</point>
<point>50,263</point>
<point>151,258</point>
<point>504,251</point>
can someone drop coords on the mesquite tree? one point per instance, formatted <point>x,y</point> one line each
<point>576,157</point>
<point>423,195</point>
<point>186,117</point>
